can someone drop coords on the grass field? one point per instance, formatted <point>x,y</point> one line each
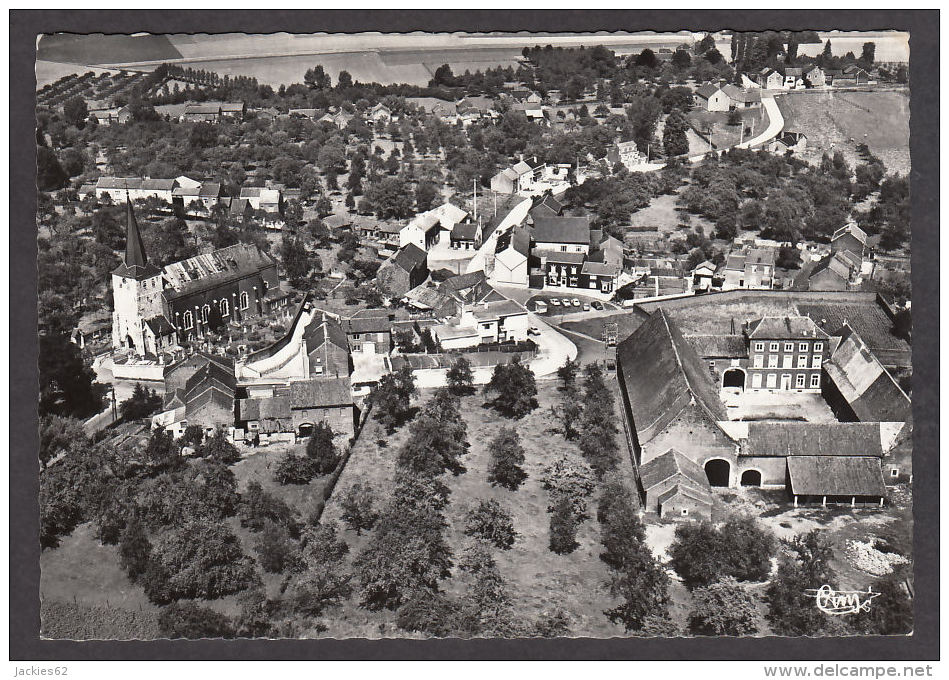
<point>538,579</point>
<point>838,121</point>
<point>663,214</point>
<point>723,134</point>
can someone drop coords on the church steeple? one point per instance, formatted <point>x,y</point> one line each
<point>134,248</point>
<point>135,264</point>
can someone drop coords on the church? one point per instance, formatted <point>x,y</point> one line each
<point>156,309</point>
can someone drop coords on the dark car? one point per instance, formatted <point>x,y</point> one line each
<point>596,304</point>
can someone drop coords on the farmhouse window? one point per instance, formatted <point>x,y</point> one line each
<point>800,380</point>
<point>815,361</point>
<point>774,346</point>
<point>759,347</point>
<point>818,346</point>
<point>756,381</point>
<point>789,347</point>
<point>815,380</point>
<point>772,380</point>
<point>895,472</point>
<point>802,347</point>
<point>772,361</point>
<point>759,360</point>
<point>802,361</point>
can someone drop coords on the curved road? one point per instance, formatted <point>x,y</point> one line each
<point>775,123</point>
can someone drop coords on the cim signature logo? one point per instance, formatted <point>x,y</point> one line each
<point>839,602</point>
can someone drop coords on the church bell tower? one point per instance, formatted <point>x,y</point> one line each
<point>137,293</point>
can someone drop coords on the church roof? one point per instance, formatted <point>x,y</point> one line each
<point>203,271</point>
<point>135,264</point>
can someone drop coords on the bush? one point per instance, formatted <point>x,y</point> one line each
<point>143,403</point>
<point>275,550</point>
<point>294,469</point>
<point>197,561</point>
<point>321,451</point>
<point>191,621</point>
<point>218,448</point>
<point>702,554</point>
<point>460,377</point>
<point>515,389</point>
<point>489,522</point>
<point>357,505</point>
<point>134,549</point>
<point>507,457</point>
<point>257,507</point>
<point>563,527</point>
<point>570,477</point>
<point>723,608</point>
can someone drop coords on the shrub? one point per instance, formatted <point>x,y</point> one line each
<point>275,550</point>
<point>570,477</point>
<point>134,549</point>
<point>257,507</point>
<point>489,522</point>
<point>294,469</point>
<point>563,527</point>
<point>218,448</point>
<point>507,457</point>
<point>702,554</point>
<point>723,608</point>
<point>321,451</point>
<point>357,505</point>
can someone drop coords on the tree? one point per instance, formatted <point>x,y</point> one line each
<point>803,566</point>
<point>563,527</point>
<point>134,548</point>
<point>681,59</point>
<point>275,550</point>
<point>294,469</point>
<point>50,175</point>
<point>723,608</point>
<point>489,522</point>
<point>344,80</point>
<point>702,554</point>
<point>392,398</point>
<point>425,194</point>
<point>647,58</point>
<point>75,111</point>
<point>258,507</point>
<point>642,585</point>
<point>572,478</point>
<point>316,78</point>
<point>507,457</point>
<point>191,621</point>
<point>488,611</point>
<point>197,560</point>
<point>438,438</point>
<point>891,612</point>
<point>868,53</point>
<point>734,117</point>
<point>321,450</point>
<point>57,434</point>
<point>705,44</point>
<point>66,383</point>
<point>459,377</point>
<point>218,448</point>
<point>429,612</point>
<point>674,139</point>
<point>713,56</point>
<point>357,504</point>
<point>515,388</point>
<point>568,373</point>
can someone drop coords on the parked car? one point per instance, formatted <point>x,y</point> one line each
<point>555,302</point>
<point>575,302</point>
<point>566,302</point>
<point>533,330</point>
<point>596,304</point>
<point>586,307</point>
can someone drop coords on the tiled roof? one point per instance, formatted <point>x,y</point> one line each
<point>320,392</point>
<point>322,330</point>
<point>666,465</point>
<point>662,376</point>
<point>560,257</point>
<point>599,269</point>
<point>518,238</point>
<point>562,230</point>
<point>835,476</point>
<point>867,387</point>
<point>225,264</point>
<point>719,346</point>
<point>367,324</point>
<point>812,439</point>
<point>409,257</point>
<point>785,328</point>
<point>463,281</point>
<point>853,230</point>
<point>707,91</point>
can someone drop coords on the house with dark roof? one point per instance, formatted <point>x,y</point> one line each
<point>837,271</point>
<point>511,253</point>
<point>750,268</point>
<point>403,271</point>
<point>741,97</point>
<point>786,353</point>
<point>670,402</point>
<point>369,332</point>
<point>298,407</point>
<point>857,386</point>
<point>852,238</point>
<point>626,153</point>
<point>206,398</point>
<point>545,206</point>
<point>675,487</point>
<point>788,141</point>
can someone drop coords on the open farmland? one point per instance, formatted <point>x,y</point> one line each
<point>538,580</point>
<point>838,121</point>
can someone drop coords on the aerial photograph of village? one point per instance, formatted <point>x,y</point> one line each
<point>474,335</point>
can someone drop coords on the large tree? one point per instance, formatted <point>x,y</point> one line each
<point>515,389</point>
<point>702,554</point>
<point>723,608</point>
<point>507,459</point>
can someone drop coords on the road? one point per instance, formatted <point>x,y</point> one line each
<point>775,123</point>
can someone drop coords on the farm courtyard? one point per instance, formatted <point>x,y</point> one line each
<point>838,121</point>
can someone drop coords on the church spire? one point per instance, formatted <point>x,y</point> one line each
<point>134,247</point>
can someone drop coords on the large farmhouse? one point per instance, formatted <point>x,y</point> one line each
<point>677,424</point>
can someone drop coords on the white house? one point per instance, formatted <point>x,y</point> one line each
<point>711,98</point>
<point>425,228</point>
<point>510,256</point>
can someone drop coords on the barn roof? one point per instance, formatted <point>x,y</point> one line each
<point>562,229</point>
<point>812,439</point>
<point>707,91</point>
<point>703,497</point>
<point>409,257</point>
<point>320,393</point>
<point>867,387</point>
<point>719,346</point>
<point>669,464</point>
<point>662,376</point>
<point>835,476</point>
<point>853,230</point>
<point>785,328</point>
